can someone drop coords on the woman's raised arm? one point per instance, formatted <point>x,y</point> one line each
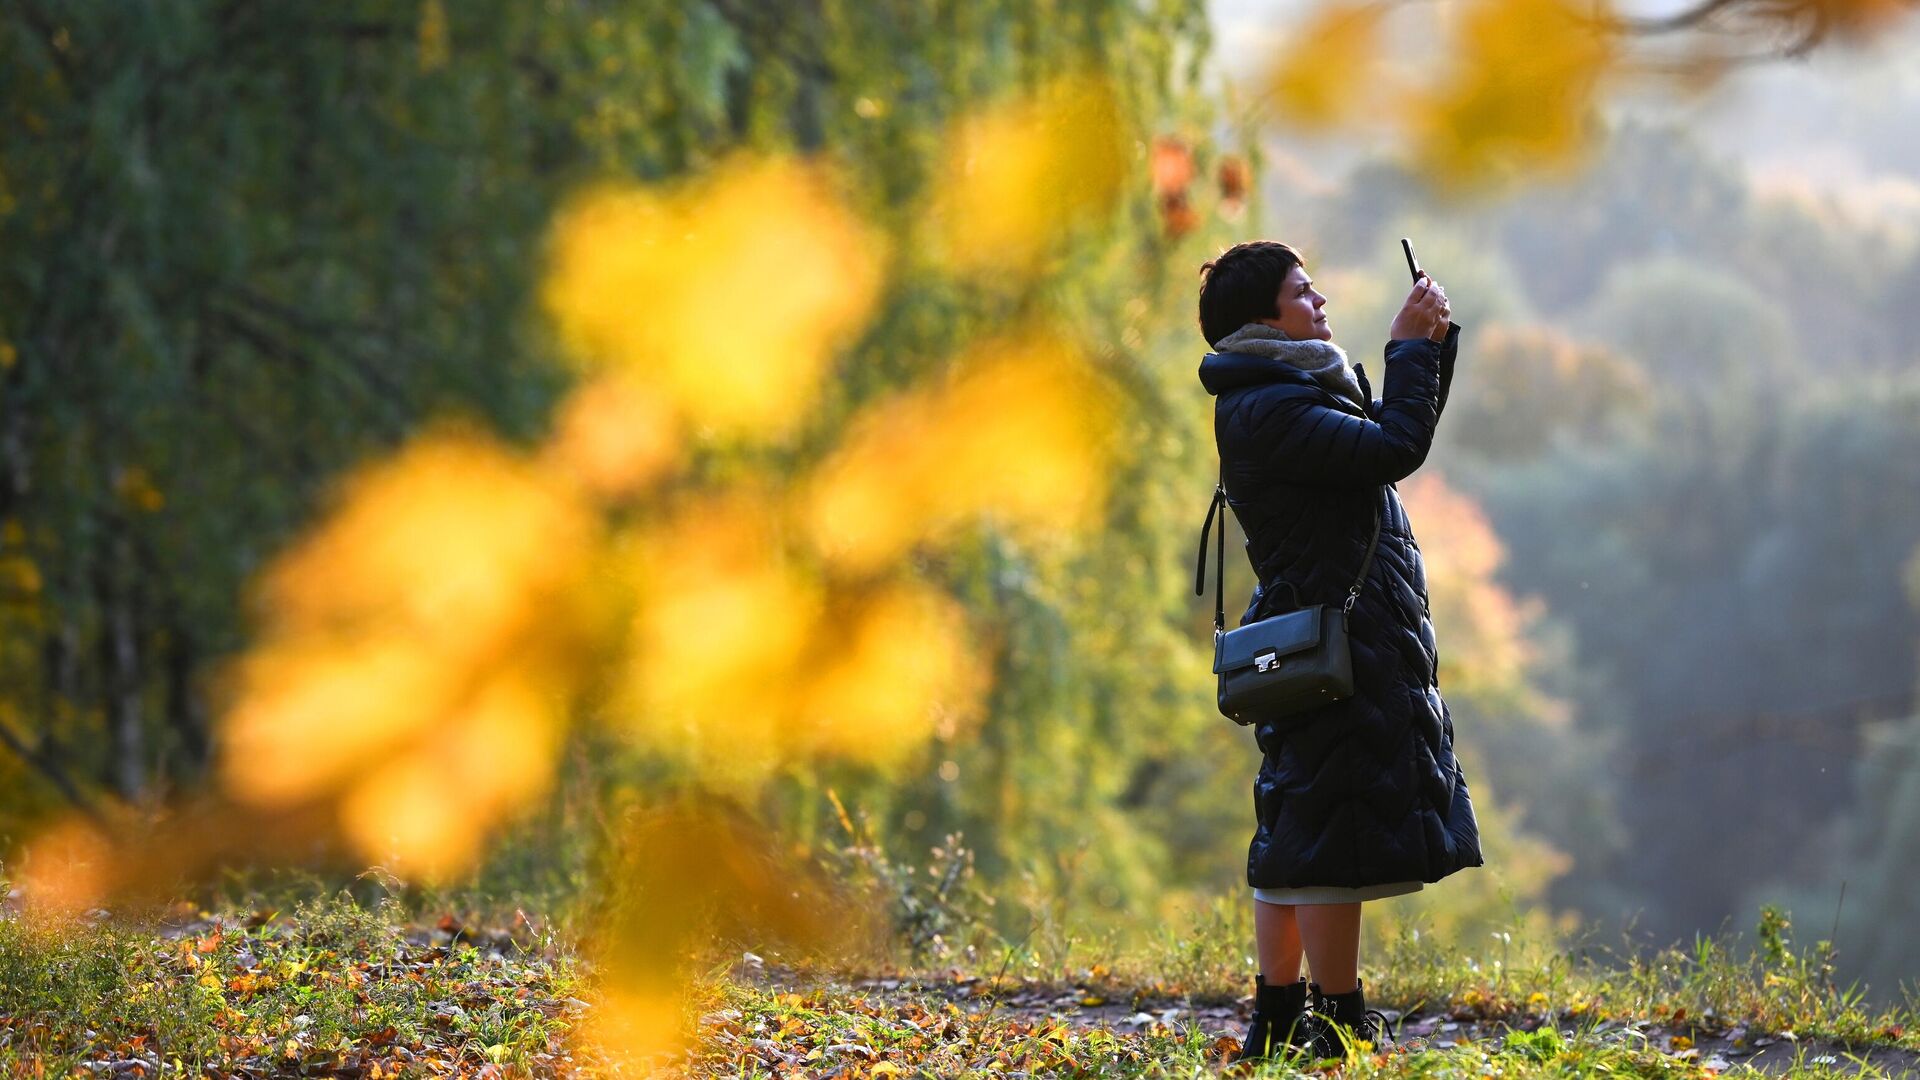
<point>1299,440</point>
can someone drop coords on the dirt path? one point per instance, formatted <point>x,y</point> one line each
<point>1721,1048</point>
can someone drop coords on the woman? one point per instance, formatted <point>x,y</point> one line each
<point>1360,798</point>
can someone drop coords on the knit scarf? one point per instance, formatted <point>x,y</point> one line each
<point>1324,361</point>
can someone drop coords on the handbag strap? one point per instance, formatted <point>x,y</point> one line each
<point>1220,559</point>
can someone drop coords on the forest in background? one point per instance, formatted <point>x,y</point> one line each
<point>1690,425</point>
<point>1674,577</point>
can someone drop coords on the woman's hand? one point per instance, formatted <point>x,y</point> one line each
<point>1424,315</point>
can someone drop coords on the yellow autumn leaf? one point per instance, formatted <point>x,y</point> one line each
<point>742,658</point>
<point>454,540</point>
<point>728,293</point>
<point>66,869</point>
<point>416,652</point>
<point>724,620</point>
<point>136,488</point>
<point>306,718</point>
<point>1019,431</point>
<point>1016,180</point>
<point>1520,93</point>
<point>418,812</point>
<point>615,435</point>
<point>19,575</point>
<point>433,46</point>
<point>902,669</point>
<point>678,864</point>
<point>1330,73</point>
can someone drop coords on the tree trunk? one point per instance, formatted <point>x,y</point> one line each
<point>125,767</point>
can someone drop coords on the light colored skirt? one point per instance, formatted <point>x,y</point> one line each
<point>1335,894</point>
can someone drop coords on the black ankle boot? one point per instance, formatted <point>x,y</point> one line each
<point>1280,1020</point>
<point>1347,1012</point>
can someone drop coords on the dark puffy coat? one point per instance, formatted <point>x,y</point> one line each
<point>1365,790</point>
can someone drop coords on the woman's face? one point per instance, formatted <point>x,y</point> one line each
<point>1300,309</point>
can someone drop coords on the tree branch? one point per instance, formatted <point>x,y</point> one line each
<point>52,771</point>
<point>1809,22</point>
<point>375,386</point>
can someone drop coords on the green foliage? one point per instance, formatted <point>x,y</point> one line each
<point>937,910</point>
<point>1530,388</point>
<point>1865,877</point>
<point>1539,1045</point>
<point>1694,326</point>
<point>1773,936</point>
<point>1768,537</point>
<point>351,249</point>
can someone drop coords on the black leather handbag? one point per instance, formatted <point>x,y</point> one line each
<point>1285,663</point>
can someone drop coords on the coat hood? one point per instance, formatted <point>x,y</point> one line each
<point>1270,357</point>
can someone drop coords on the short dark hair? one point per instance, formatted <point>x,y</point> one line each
<point>1242,284</point>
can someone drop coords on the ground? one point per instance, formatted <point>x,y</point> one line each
<point>332,989</point>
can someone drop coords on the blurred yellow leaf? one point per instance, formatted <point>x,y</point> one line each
<point>66,870</point>
<point>902,669</point>
<point>416,652</point>
<point>1019,432</point>
<point>135,486</point>
<point>19,576</point>
<point>453,541</point>
<point>1017,179</point>
<point>1520,95</point>
<point>692,867</point>
<point>433,46</point>
<point>728,293</point>
<point>615,435</point>
<point>1330,73</point>
<point>308,718</point>
<point>424,811</point>
<point>724,621</point>
<point>743,659</point>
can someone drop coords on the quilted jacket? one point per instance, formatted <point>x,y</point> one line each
<point>1365,790</point>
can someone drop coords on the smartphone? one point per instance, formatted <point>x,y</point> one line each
<point>1413,265</point>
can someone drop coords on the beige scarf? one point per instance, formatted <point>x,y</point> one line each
<point>1324,361</point>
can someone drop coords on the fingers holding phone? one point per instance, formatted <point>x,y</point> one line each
<point>1424,314</point>
<point>1426,293</point>
<point>1443,311</point>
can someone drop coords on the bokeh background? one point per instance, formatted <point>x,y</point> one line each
<point>639,458</point>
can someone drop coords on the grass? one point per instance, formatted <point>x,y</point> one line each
<point>329,987</point>
<point>766,1032</point>
<point>340,986</point>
